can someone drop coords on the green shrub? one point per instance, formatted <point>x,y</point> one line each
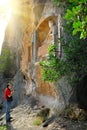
<point>3,128</point>
<point>73,65</point>
<point>7,65</point>
<point>37,121</point>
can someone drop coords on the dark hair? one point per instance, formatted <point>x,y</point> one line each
<point>7,85</point>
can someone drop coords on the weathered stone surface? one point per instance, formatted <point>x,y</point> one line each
<point>32,28</point>
<point>24,117</point>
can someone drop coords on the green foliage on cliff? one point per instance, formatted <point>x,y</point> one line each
<point>73,65</point>
<point>76,13</point>
<point>52,67</point>
<point>76,59</point>
<point>6,63</point>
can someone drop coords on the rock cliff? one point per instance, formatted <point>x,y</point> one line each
<point>33,26</point>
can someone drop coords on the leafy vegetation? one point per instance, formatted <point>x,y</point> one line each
<point>37,121</point>
<point>6,63</point>
<point>3,128</point>
<point>52,67</point>
<point>76,13</point>
<point>74,63</point>
<point>75,59</point>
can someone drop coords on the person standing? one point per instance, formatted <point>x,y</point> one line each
<point>8,98</point>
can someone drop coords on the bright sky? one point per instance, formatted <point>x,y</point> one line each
<point>5,13</point>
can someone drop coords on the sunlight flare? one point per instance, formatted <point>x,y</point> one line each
<point>5,14</point>
<point>4,3</point>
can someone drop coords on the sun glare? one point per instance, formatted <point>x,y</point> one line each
<point>5,14</point>
<point>4,2</point>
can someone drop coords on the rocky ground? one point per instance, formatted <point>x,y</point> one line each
<point>25,115</point>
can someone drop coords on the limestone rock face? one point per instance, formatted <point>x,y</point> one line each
<point>31,29</point>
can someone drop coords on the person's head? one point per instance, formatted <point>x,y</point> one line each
<point>9,85</point>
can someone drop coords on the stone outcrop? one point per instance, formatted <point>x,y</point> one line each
<point>34,25</point>
<point>25,118</point>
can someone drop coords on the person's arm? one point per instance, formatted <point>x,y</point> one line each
<point>10,93</point>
